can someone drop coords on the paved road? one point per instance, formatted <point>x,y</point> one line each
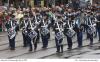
<point>83,53</point>
<point>50,52</point>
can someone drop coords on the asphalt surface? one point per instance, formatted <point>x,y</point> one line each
<point>50,52</point>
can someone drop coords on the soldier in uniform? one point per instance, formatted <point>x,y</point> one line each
<point>36,26</point>
<point>69,32</point>
<point>38,23</point>
<point>58,28</point>
<point>24,31</point>
<point>11,32</point>
<point>30,34</point>
<point>29,38</point>
<point>85,22</point>
<point>44,31</point>
<point>98,23</point>
<point>49,25</point>
<point>78,27</point>
<point>90,27</point>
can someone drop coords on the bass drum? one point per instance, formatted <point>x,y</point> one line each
<point>44,31</point>
<point>70,33</point>
<point>91,29</point>
<point>11,33</point>
<point>32,34</point>
<point>59,35</point>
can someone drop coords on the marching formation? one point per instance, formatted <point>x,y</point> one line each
<point>64,21</point>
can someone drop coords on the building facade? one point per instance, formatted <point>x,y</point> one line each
<point>48,2</point>
<point>96,1</point>
<point>41,2</point>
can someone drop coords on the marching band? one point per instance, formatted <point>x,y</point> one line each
<point>68,22</point>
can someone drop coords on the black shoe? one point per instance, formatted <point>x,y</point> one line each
<point>58,51</point>
<point>34,49</point>
<point>44,47</point>
<point>99,47</point>
<point>79,46</point>
<point>12,48</point>
<point>95,36</point>
<point>30,50</point>
<point>24,46</point>
<point>87,38</point>
<point>61,51</point>
<point>61,48</point>
<point>91,45</point>
<point>99,40</point>
<point>38,41</point>
<point>69,48</point>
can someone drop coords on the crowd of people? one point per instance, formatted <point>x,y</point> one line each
<point>37,23</point>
